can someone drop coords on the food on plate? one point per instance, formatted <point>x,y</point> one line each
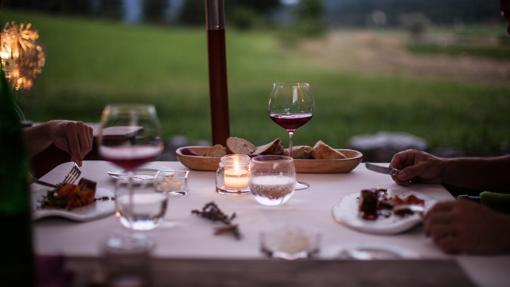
<point>323,151</point>
<point>411,199</point>
<point>69,196</point>
<point>240,146</point>
<point>369,203</point>
<point>375,202</point>
<point>275,147</point>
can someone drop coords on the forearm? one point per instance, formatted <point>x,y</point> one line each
<point>479,173</point>
<point>37,138</point>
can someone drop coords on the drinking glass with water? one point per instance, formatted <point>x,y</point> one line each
<point>273,179</point>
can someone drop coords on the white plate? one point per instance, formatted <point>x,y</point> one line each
<point>140,175</point>
<point>98,209</point>
<point>346,212</point>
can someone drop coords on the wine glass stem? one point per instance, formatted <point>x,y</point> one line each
<point>131,175</point>
<point>291,133</point>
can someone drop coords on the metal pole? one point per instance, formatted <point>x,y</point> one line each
<point>218,90</point>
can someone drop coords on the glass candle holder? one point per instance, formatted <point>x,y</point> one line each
<point>233,174</point>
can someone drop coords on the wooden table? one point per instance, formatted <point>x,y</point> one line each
<point>185,243</point>
<point>260,272</point>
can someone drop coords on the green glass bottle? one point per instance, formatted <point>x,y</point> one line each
<point>15,211</point>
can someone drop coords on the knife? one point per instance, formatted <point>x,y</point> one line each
<point>381,169</point>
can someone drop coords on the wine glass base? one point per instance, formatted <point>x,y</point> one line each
<point>301,185</point>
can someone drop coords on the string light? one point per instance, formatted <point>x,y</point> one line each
<point>21,55</point>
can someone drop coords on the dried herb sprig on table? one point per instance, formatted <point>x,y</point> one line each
<point>212,212</point>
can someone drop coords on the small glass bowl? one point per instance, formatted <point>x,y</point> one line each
<point>175,182</point>
<point>290,243</point>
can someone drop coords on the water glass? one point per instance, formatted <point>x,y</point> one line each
<point>272,179</point>
<point>140,209</point>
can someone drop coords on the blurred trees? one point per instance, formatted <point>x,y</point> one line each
<point>249,13</point>
<point>192,13</point>
<point>308,18</point>
<point>153,10</point>
<point>356,12</point>
<point>54,6</point>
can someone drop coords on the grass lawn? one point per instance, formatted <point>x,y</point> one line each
<point>93,63</point>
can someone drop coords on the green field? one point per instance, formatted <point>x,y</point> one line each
<point>93,63</point>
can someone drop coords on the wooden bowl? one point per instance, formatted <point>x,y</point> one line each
<point>208,163</point>
<point>203,163</point>
<point>343,165</point>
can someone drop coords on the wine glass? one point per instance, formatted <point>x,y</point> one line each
<point>129,138</point>
<point>291,106</point>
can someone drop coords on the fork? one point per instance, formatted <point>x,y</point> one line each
<point>72,175</point>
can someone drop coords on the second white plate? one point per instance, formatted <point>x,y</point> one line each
<point>346,212</point>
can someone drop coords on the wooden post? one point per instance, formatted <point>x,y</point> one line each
<point>218,90</point>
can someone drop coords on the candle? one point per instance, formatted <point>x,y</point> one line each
<point>236,174</point>
<point>236,179</point>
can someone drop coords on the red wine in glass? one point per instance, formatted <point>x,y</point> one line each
<point>130,157</point>
<point>291,121</point>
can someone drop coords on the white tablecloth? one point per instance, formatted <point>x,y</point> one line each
<point>186,235</point>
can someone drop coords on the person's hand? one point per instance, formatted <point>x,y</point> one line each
<point>75,138</point>
<point>417,166</point>
<point>463,226</point>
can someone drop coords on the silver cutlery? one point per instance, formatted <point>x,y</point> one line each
<point>72,175</point>
<point>44,183</point>
<point>70,178</point>
<point>381,169</point>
